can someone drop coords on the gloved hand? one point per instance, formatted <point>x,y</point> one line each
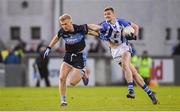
<point>46,53</point>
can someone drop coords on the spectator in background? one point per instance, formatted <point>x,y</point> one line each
<point>92,48</point>
<point>22,45</point>
<point>41,44</point>
<point>97,48</point>
<point>134,57</point>
<point>4,53</point>
<point>31,50</point>
<point>177,50</point>
<point>12,58</point>
<point>145,63</point>
<point>41,65</point>
<point>20,49</point>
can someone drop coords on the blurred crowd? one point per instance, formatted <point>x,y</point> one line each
<point>12,55</point>
<point>15,54</point>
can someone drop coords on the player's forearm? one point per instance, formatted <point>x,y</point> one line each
<point>94,27</point>
<point>93,33</point>
<point>53,41</point>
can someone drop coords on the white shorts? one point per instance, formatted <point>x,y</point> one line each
<point>118,51</point>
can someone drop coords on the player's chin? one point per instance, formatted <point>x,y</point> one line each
<point>108,19</point>
<point>66,29</point>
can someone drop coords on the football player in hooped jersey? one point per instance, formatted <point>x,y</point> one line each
<point>75,58</point>
<point>111,30</point>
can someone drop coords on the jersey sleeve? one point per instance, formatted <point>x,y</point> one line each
<point>83,28</point>
<point>124,23</point>
<point>104,31</point>
<point>104,26</point>
<point>60,32</point>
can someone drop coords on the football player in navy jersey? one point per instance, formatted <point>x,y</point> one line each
<point>111,30</point>
<point>74,58</point>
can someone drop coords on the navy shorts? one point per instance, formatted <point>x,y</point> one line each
<point>77,60</point>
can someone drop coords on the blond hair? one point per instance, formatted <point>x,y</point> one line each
<point>65,17</point>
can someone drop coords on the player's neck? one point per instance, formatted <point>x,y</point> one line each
<point>113,21</point>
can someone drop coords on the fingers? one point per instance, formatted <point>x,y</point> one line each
<point>44,56</point>
<point>46,53</point>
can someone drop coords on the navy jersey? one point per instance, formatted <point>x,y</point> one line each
<point>113,33</point>
<point>74,41</point>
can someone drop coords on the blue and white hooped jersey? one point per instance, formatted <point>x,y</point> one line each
<point>113,33</point>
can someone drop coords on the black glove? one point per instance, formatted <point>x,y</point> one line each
<point>132,36</point>
<point>46,53</point>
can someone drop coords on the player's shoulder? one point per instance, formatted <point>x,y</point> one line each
<point>79,26</point>
<point>76,26</point>
<point>122,21</point>
<point>104,24</point>
<point>61,31</point>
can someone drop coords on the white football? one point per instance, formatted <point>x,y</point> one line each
<point>127,31</point>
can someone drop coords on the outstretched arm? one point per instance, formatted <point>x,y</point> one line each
<point>93,33</point>
<point>94,27</point>
<point>53,41</point>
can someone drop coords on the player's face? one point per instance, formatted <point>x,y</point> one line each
<point>66,25</point>
<point>109,15</point>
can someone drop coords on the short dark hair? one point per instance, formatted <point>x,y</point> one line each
<point>109,8</point>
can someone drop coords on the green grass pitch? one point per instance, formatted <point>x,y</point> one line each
<point>88,99</point>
